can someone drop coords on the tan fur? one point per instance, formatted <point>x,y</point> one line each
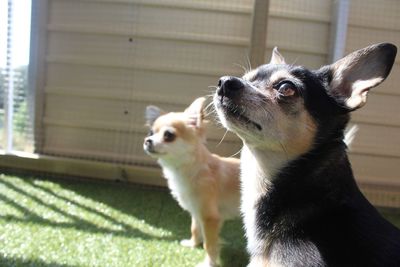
<point>204,184</point>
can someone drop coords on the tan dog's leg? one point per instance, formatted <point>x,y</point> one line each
<point>211,226</point>
<point>196,238</point>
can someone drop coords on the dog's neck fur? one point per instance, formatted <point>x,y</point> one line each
<point>187,165</point>
<point>182,172</point>
<point>257,178</point>
<point>278,185</point>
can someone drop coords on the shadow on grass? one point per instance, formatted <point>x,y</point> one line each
<point>165,213</point>
<point>18,262</point>
<point>147,206</point>
<point>155,207</point>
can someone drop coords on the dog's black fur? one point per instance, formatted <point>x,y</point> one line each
<point>313,203</point>
<point>324,205</point>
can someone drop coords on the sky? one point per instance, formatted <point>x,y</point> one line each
<point>21,32</point>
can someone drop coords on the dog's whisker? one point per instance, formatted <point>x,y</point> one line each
<point>209,109</point>
<point>237,153</point>
<point>249,68</point>
<point>222,139</point>
<point>284,150</point>
<point>241,66</point>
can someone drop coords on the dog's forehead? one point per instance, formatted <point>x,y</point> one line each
<point>272,73</point>
<point>170,120</point>
<point>268,72</point>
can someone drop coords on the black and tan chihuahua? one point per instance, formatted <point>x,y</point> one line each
<point>300,201</point>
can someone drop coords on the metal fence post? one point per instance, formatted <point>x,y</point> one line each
<point>258,32</point>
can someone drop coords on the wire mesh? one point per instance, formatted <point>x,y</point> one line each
<point>98,64</point>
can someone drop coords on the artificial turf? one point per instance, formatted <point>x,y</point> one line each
<point>85,223</point>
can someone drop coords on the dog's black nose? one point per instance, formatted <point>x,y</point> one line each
<point>229,86</point>
<point>148,143</point>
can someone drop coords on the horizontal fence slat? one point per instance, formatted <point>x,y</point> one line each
<point>300,36</point>
<point>379,110</point>
<point>309,10</point>
<point>363,13</point>
<point>96,62</point>
<point>375,169</point>
<point>376,140</point>
<point>89,79</point>
<point>149,18</point>
<point>118,94</point>
<point>163,53</point>
<point>237,6</point>
<point>173,35</point>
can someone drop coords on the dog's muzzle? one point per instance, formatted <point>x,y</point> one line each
<point>229,98</point>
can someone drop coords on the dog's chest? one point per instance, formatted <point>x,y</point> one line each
<point>252,188</point>
<point>181,188</point>
<point>257,172</point>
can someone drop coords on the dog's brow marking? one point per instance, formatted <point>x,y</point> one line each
<point>281,75</point>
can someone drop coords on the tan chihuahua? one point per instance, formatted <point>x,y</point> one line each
<point>204,184</point>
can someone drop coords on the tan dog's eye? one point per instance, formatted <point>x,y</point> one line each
<point>169,136</point>
<point>286,88</point>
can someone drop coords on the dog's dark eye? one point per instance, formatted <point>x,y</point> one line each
<point>150,133</point>
<point>286,88</point>
<point>169,136</point>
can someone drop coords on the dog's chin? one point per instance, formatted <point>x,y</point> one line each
<point>233,117</point>
<point>154,154</point>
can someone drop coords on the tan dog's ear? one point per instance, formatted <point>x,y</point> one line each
<point>276,57</point>
<point>195,112</point>
<point>353,76</point>
<point>152,113</point>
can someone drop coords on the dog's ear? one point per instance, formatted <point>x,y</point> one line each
<point>152,113</point>
<point>353,76</point>
<point>195,112</point>
<point>276,57</point>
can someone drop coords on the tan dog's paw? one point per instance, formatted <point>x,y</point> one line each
<point>208,263</point>
<point>189,243</point>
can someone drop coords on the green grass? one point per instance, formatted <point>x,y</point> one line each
<point>85,223</point>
